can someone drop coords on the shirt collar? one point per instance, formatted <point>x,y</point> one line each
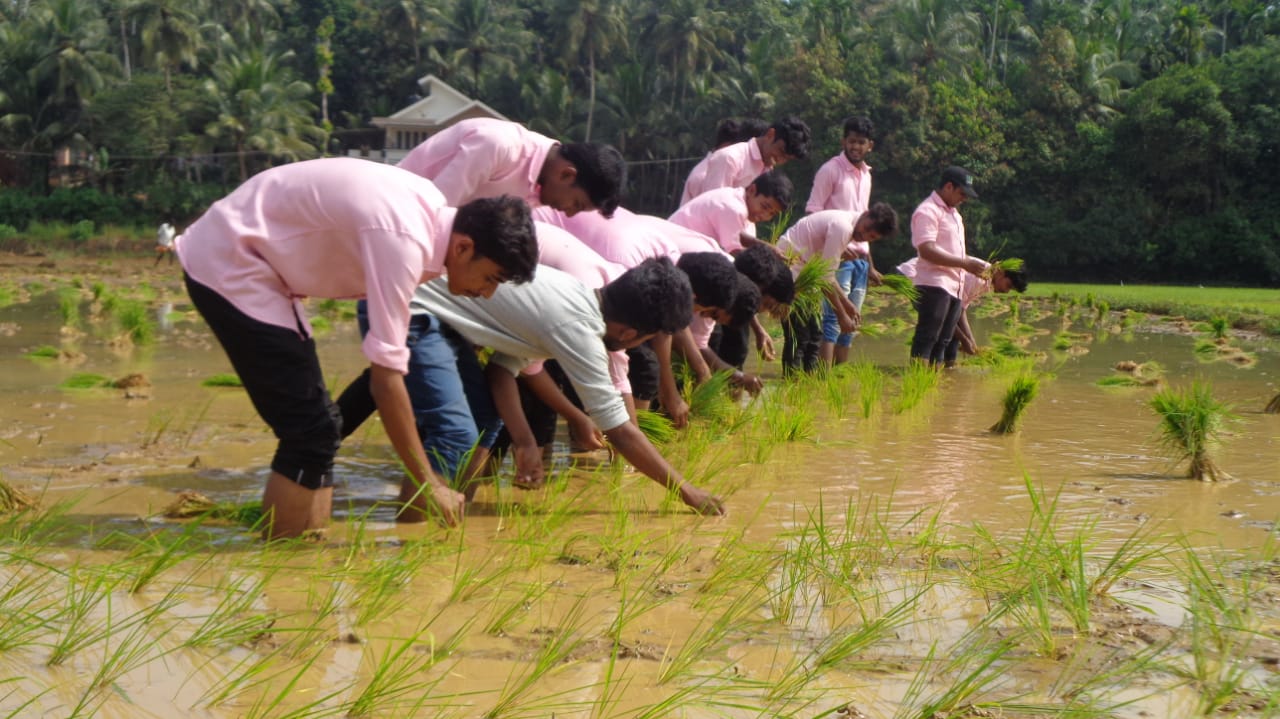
<point>850,167</point>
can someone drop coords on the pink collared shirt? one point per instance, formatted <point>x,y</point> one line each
<point>338,228</point>
<point>822,234</point>
<point>842,185</point>
<point>935,221</point>
<point>972,287</point>
<point>622,239</point>
<point>482,157</point>
<point>720,213</point>
<point>558,248</point>
<point>683,239</point>
<point>735,165</point>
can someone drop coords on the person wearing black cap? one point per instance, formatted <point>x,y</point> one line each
<point>937,233</point>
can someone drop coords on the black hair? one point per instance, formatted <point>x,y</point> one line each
<point>501,229</point>
<point>651,297</point>
<point>1018,278</point>
<point>745,303</point>
<point>883,219</point>
<point>602,172</point>
<point>794,135</point>
<point>859,125</point>
<point>776,185</point>
<point>712,277</point>
<point>769,271</point>
<point>731,131</point>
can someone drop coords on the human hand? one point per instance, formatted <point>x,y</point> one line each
<point>452,504</point>
<point>764,345</point>
<point>850,323</point>
<point>749,382</point>
<point>585,436</point>
<point>702,501</point>
<point>677,409</point>
<point>874,278</point>
<point>529,471</point>
<point>975,265</point>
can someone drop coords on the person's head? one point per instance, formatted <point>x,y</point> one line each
<point>955,187</point>
<point>767,195</point>
<point>492,241</point>
<point>713,279</point>
<point>878,222</point>
<point>1003,281</point>
<point>746,303</point>
<point>856,142</point>
<point>583,176</point>
<point>649,298</point>
<point>769,272</point>
<point>785,140</point>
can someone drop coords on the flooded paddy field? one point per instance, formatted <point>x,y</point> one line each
<point>885,554</point>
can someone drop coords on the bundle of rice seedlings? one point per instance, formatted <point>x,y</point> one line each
<point>811,286</point>
<point>656,426</point>
<point>223,379</point>
<point>1005,346</point>
<point>189,504</point>
<point>1008,264</point>
<point>1132,374</point>
<point>711,400</point>
<point>1191,421</point>
<point>13,499</point>
<point>1016,398</point>
<point>1273,407</point>
<point>900,285</point>
<point>85,380</point>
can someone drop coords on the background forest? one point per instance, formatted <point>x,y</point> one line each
<point>1129,140</point>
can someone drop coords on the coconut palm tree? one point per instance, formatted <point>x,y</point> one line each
<point>480,33</point>
<point>407,21</point>
<point>688,35</point>
<point>170,33</point>
<point>261,107</point>
<point>924,32</point>
<point>591,28</point>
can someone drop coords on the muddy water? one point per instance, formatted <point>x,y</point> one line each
<point>122,459</point>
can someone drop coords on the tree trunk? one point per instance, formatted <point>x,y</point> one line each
<point>124,52</point>
<point>591,81</point>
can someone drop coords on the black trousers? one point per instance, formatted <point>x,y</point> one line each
<point>802,339</point>
<point>281,374</point>
<point>731,344</point>
<point>644,373</point>
<point>936,315</point>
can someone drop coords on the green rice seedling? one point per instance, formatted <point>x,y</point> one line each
<point>556,648</point>
<point>812,283</point>
<point>508,611</point>
<point>656,426</point>
<point>282,686</point>
<point>86,590</point>
<point>918,381</point>
<point>1062,341</point>
<point>1191,422</point>
<point>320,325</point>
<point>380,583</point>
<point>129,645</point>
<point>85,380</point>
<point>45,352</point>
<point>158,551</point>
<point>189,504</point>
<point>395,687</point>
<point>870,386</point>
<point>785,421</point>
<point>27,602</point>
<point>711,633</point>
<point>711,399</point>
<point>1005,346</point>
<point>8,295</point>
<point>69,306</point>
<point>1133,374</point>
<point>1104,309</point>
<point>134,319</point>
<point>97,289</point>
<point>1016,398</point>
<point>901,286</point>
<point>223,379</point>
<point>977,663</point>
<point>235,620</point>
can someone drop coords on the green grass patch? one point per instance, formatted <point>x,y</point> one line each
<point>85,380</point>
<point>222,380</point>
<point>44,352</point>
<point>1247,308</point>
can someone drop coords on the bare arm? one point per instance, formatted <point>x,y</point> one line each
<point>545,389</point>
<point>636,449</point>
<point>392,400</point>
<point>965,334</point>
<point>749,382</point>
<point>764,343</point>
<point>668,393</point>
<point>506,399</point>
<point>938,256</point>
<point>846,314</point>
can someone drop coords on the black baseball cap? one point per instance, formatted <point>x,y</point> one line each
<point>961,178</point>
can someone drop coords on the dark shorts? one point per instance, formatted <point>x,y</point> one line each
<point>644,372</point>
<point>281,374</point>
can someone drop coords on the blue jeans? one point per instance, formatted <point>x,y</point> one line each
<point>852,278</point>
<point>452,406</point>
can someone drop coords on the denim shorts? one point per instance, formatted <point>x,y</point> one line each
<point>852,277</point>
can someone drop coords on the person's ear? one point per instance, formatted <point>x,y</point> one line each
<point>567,174</point>
<point>751,190</point>
<point>462,247</point>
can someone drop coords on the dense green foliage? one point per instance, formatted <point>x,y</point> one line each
<point>1117,139</point>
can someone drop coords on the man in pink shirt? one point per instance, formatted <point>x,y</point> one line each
<point>300,230</point>
<point>973,288</point>
<point>937,233</point>
<point>737,165</point>
<point>844,183</point>
<point>483,157</point>
<point>729,214</point>
<point>825,234</point>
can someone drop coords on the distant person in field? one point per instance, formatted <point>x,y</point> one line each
<point>164,243</point>
<point>738,164</point>
<point>844,183</point>
<point>486,158</point>
<point>937,232</point>
<point>826,234</point>
<point>340,228</point>
<point>729,214</point>
<point>973,288</point>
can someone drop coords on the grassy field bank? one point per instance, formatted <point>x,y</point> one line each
<point>1246,308</point>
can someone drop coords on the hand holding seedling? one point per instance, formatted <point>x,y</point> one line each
<point>747,381</point>
<point>529,471</point>
<point>701,501</point>
<point>586,436</point>
<point>452,504</point>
